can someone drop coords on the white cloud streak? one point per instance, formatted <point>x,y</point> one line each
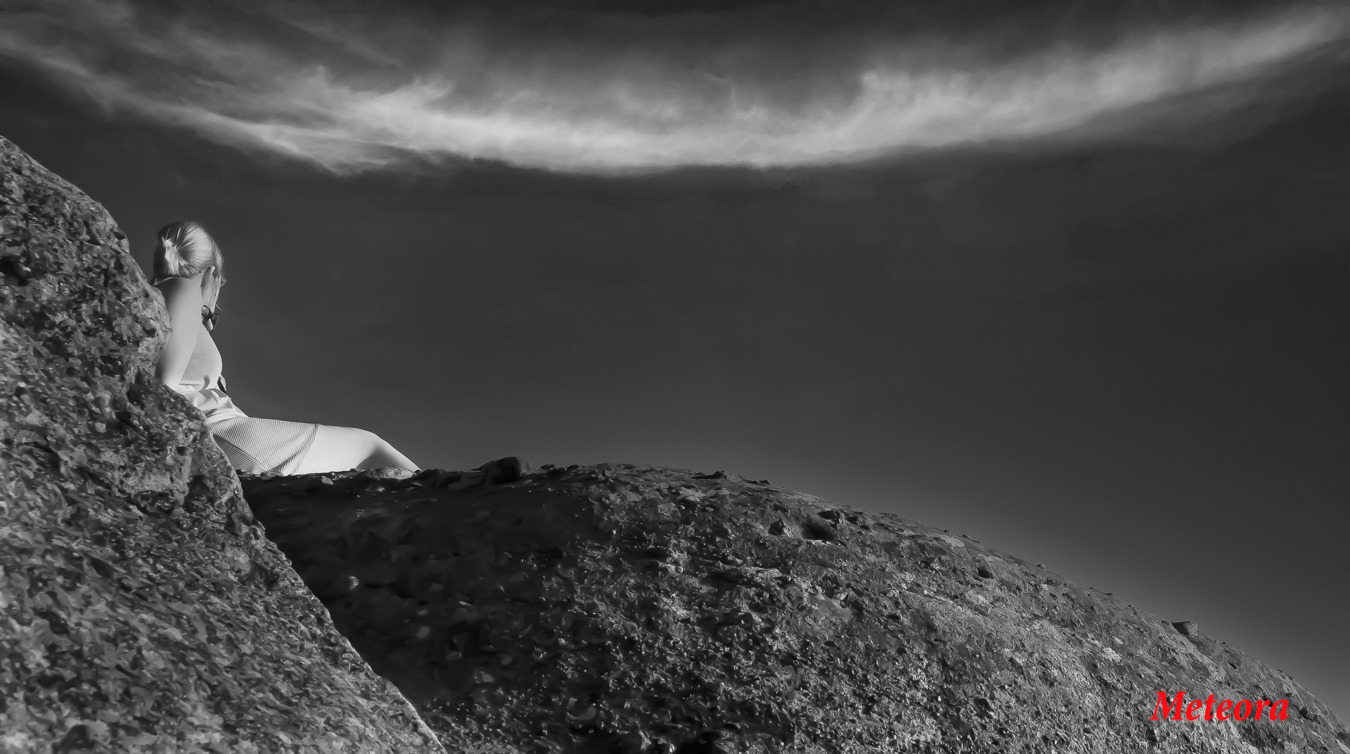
<point>357,95</point>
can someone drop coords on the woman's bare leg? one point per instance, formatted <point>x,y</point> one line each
<point>343,448</point>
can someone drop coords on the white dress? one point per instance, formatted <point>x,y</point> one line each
<point>253,445</point>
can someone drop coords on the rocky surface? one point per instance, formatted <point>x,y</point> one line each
<point>638,610</point>
<point>143,609</point>
<point>600,609</point>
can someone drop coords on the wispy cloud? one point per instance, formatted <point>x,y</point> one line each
<point>600,95</point>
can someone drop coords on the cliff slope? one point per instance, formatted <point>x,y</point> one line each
<point>143,609</point>
<point>639,610</point>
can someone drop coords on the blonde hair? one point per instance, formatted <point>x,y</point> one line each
<point>184,249</point>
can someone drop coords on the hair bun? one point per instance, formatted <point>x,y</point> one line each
<point>185,249</point>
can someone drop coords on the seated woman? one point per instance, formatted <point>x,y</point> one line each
<point>188,270</point>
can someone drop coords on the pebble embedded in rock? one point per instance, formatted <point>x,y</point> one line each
<point>1186,627</point>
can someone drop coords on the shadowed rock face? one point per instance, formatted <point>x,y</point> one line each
<point>143,610</point>
<point>637,609</point>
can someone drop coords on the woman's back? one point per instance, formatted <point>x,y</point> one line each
<point>204,366</point>
<point>202,381</point>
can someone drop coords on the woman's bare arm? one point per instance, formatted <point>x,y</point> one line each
<point>183,297</point>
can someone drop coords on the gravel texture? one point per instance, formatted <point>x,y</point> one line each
<point>142,608</point>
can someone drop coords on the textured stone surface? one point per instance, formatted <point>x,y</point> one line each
<point>142,607</point>
<point>629,609</point>
<point>600,609</point>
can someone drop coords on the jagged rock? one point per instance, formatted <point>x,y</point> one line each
<point>636,609</point>
<point>143,609</point>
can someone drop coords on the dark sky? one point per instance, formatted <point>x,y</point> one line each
<point>1073,285</point>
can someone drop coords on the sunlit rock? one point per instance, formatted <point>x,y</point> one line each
<point>143,609</point>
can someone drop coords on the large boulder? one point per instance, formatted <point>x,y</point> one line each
<point>143,609</point>
<point>637,610</point>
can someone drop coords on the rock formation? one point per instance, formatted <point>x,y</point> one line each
<point>143,609</point>
<point>600,609</point>
<point>636,610</point>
